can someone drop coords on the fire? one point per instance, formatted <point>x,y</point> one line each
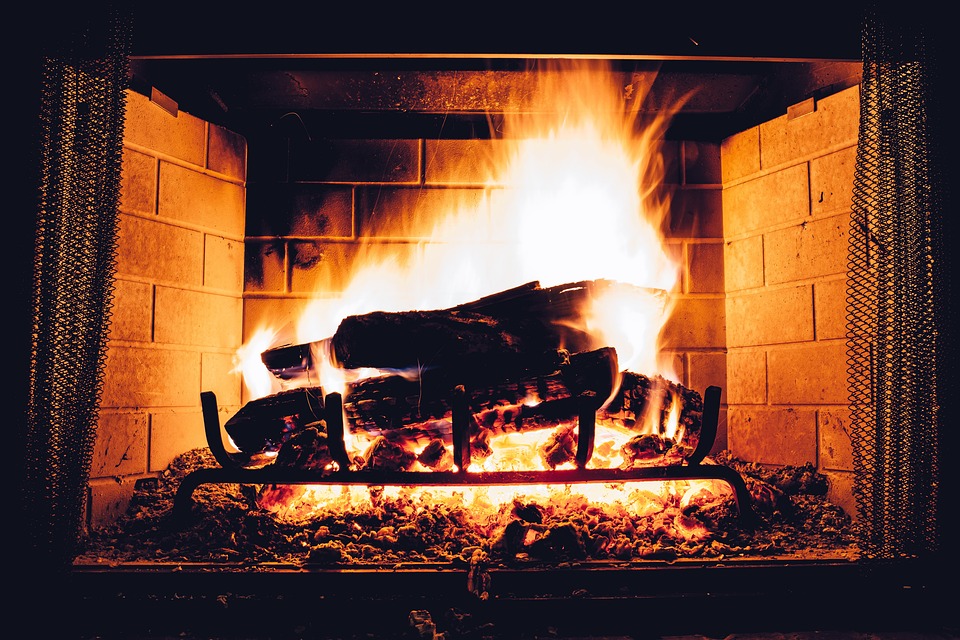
<point>258,380</point>
<point>675,506</point>
<point>575,196</point>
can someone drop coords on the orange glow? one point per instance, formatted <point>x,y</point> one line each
<point>257,379</point>
<point>671,500</point>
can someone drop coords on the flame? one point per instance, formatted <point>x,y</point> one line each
<point>574,195</point>
<point>257,379</point>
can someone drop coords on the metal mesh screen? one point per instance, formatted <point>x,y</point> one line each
<point>891,325</point>
<point>82,117</point>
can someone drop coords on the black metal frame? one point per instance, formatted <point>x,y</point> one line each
<point>233,469</point>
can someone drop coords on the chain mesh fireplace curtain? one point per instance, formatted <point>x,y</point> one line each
<point>899,323</point>
<point>82,106</point>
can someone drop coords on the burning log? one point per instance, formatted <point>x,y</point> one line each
<point>560,447</point>
<point>436,456</point>
<point>516,330</point>
<point>647,404</point>
<point>307,449</point>
<point>509,355</point>
<point>422,407</point>
<point>461,343</point>
<point>399,408</point>
<point>394,410</point>
<point>266,423</point>
<point>510,330</point>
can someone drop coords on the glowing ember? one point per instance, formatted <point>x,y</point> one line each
<point>684,510</point>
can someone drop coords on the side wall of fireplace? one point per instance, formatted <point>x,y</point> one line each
<point>787,194</point>
<point>178,308</point>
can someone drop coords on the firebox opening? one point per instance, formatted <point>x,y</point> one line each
<point>334,175</point>
<point>253,185</point>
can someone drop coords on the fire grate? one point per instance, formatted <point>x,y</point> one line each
<point>232,468</point>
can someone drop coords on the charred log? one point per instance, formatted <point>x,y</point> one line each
<point>462,344</point>
<point>400,409</point>
<point>646,403</point>
<point>397,406</point>
<point>436,456</point>
<point>514,329</point>
<point>265,424</point>
<point>307,449</point>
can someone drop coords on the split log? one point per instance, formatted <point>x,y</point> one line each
<point>513,330</point>
<point>397,406</point>
<point>464,345</point>
<point>645,403</point>
<point>266,423</point>
<point>404,408</point>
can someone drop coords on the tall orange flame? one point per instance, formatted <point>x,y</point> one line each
<point>574,194</point>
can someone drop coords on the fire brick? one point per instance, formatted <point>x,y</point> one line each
<point>835,122</point>
<point>461,162</point>
<point>300,209</point>
<point>138,183</point>
<point>708,369</point>
<point>743,264</point>
<point>831,181</point>
<point>747,376</point>
<point>769,201</point>
<point>325,266</point>
<point>840,491</point>
<point>173,433</point>
<point>264,266</point>
<point>195,198</point>
<point>160,252</point>
<point>773,435</point>
<point>150,377</point>
<point>701,163</point>
<point>132,317</point>
<point>706,268</point>
<point>740,155</point>
<point>694,323</point>
<point>218,374</point>
<point>357,161</point>
<point>404,212</point>
<point>121,447</point>
<point>830,308</point>
<point>147,125</point>
<point>809,250</point>
<point>271,313</point>
<point>836,448</point>
<point>227,153</point>
<point>223,263</point>
<point>183,317</point>
<point>695,213</point>
<point>813,373</point>
<point>770,317</point>
<point>108,498</point>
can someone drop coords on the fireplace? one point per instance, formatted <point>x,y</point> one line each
<point>235,216</point>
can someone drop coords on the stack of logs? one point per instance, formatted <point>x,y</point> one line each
<point>516,355</point>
